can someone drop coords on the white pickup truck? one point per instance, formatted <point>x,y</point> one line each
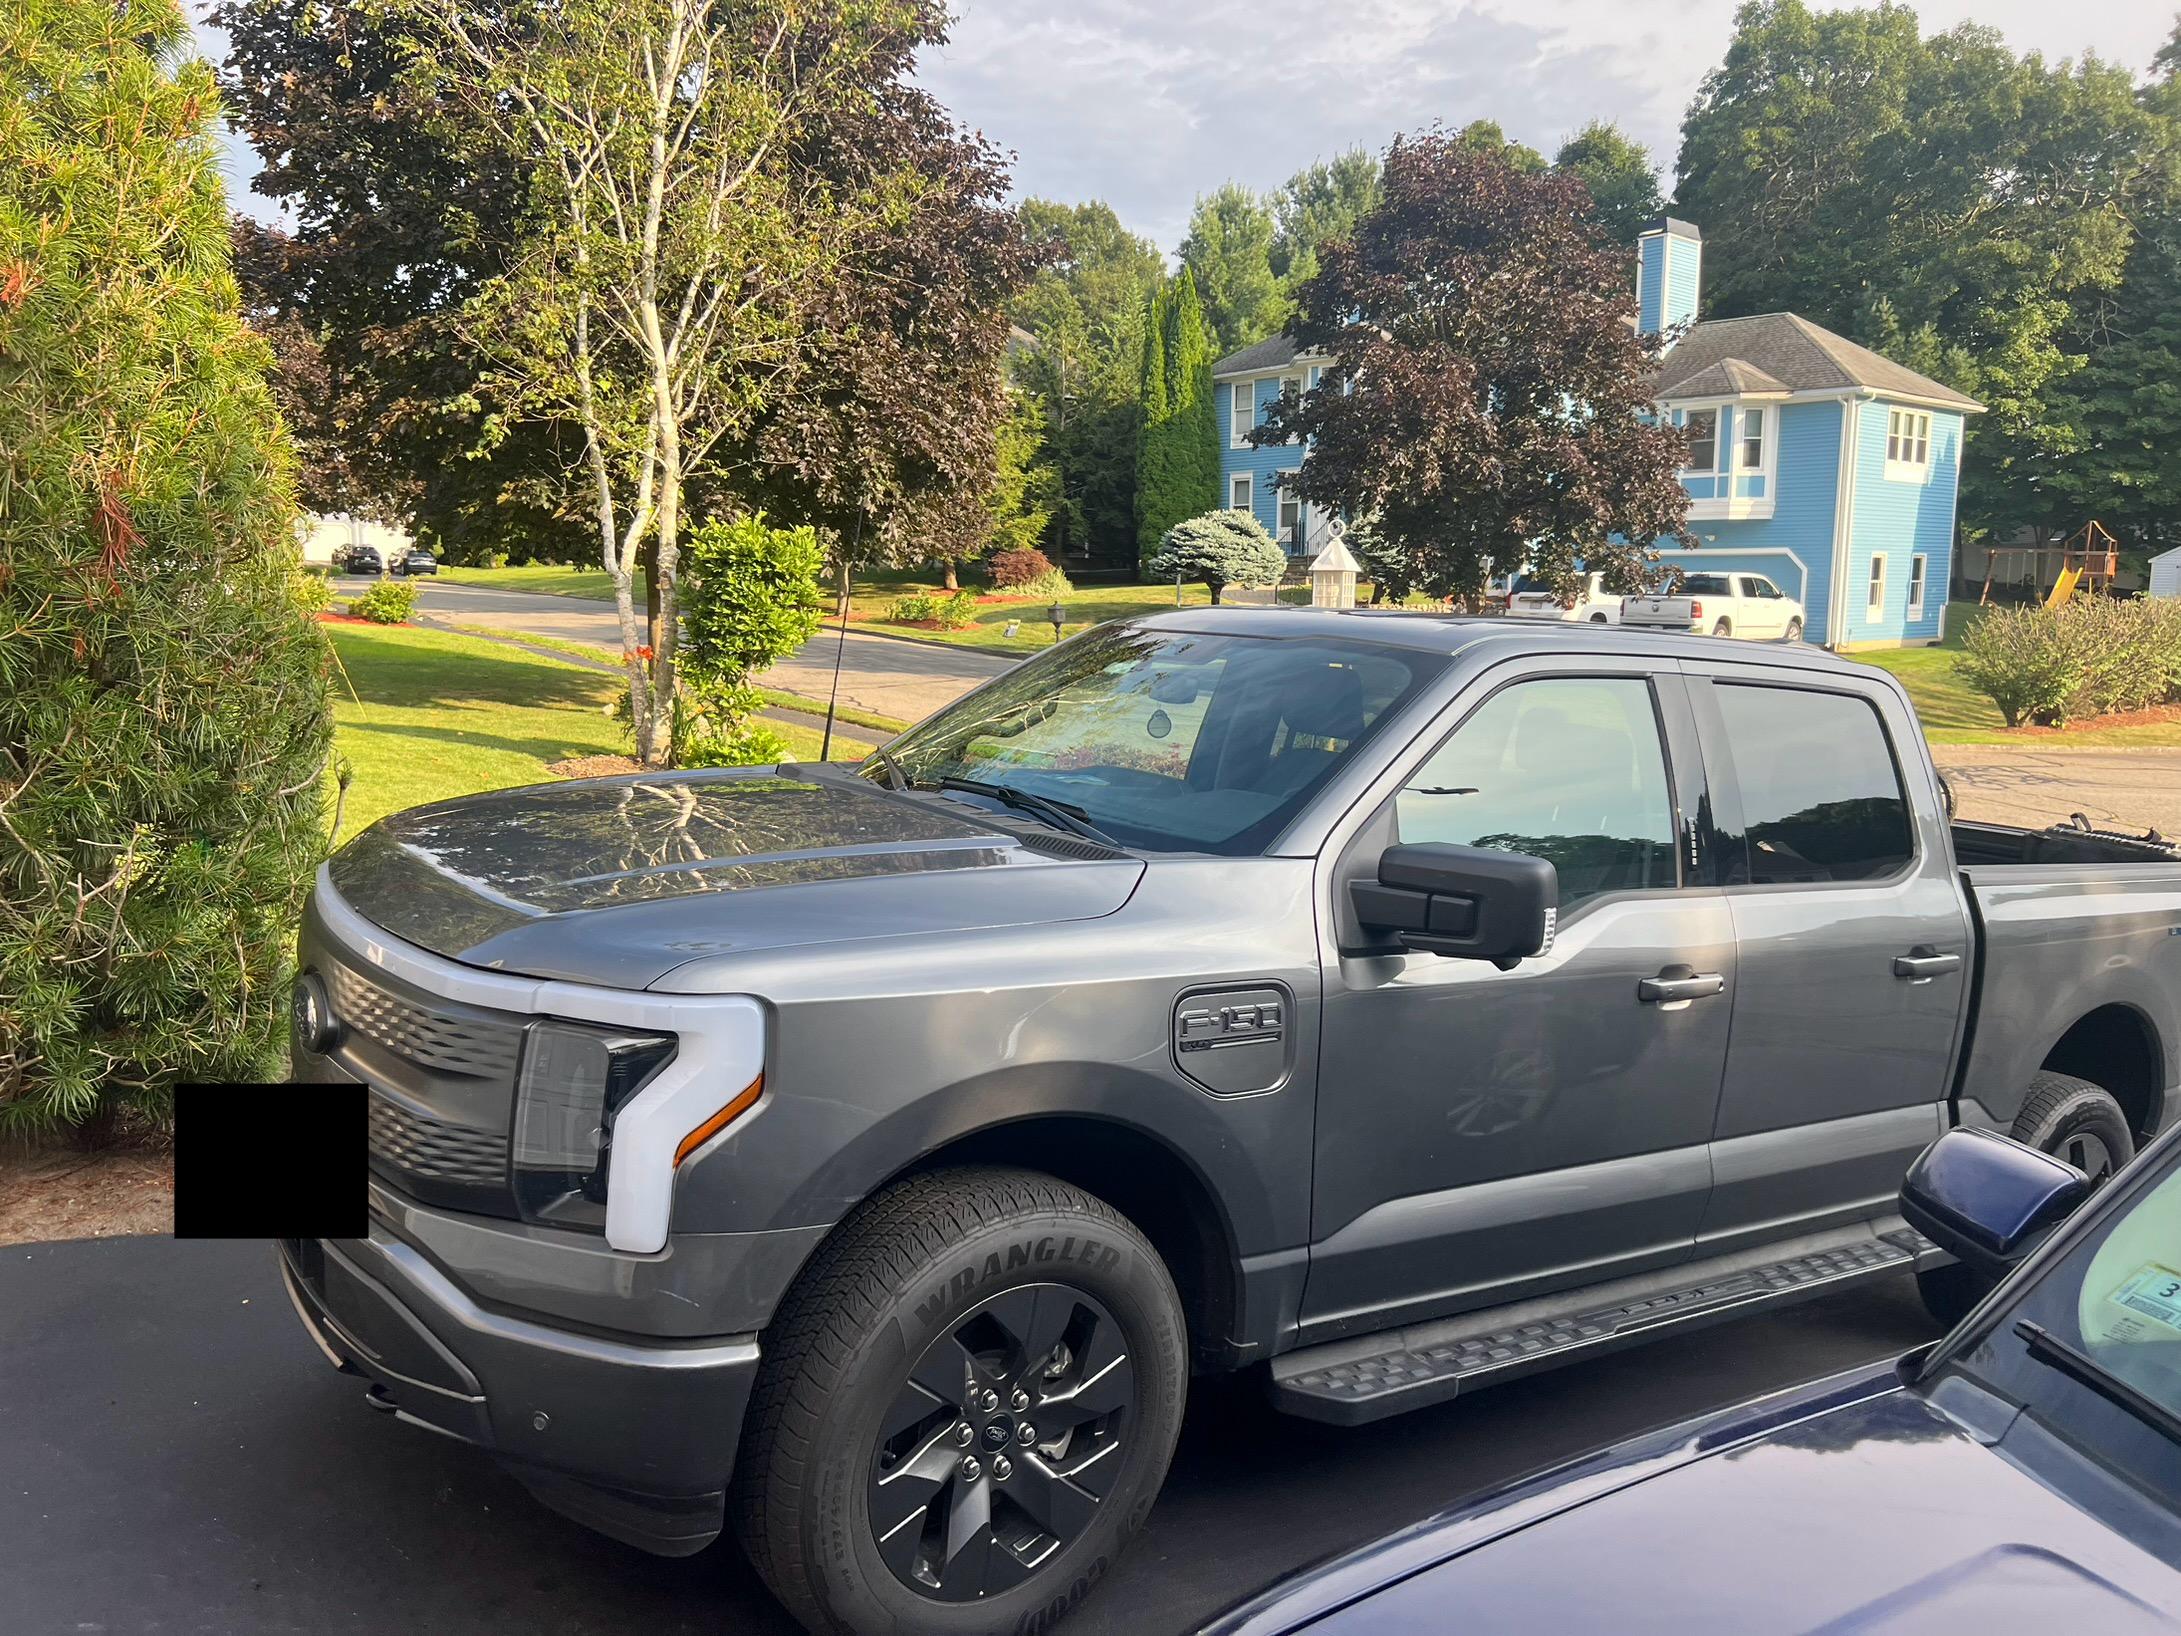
<point>1593,604</point>
<point>1744,605</point>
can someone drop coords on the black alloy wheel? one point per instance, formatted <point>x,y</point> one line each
<point>1002,1443</point>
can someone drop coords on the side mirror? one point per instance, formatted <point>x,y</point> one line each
<point>1465,901</point>
<point>1988,1200</point>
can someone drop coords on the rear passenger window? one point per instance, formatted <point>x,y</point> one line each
<point>1569,769</point>
<point>1821,798</point>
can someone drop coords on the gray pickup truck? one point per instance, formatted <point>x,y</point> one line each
<point>1392,1004</point>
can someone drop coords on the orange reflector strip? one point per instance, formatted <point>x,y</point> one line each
<point>721,1120</point>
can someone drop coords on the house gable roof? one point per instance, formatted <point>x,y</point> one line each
<point>1731,378</point>
<point>1796,354</point>
<point>1273,352</point>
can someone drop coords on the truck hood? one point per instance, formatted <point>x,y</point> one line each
<point>617,881</point>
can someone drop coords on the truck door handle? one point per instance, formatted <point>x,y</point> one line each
<point>1678,983</point>
<point>1922,964</point>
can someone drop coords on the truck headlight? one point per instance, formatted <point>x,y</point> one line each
<point>574,1079</point>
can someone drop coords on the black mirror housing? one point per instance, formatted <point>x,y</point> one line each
<point>1988,1200</point>
<point>1466,902</point>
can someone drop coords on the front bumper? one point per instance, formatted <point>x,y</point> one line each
<point>633,1438</point>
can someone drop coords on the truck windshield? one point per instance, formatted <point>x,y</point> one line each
<point>1167,740</point>
<point>2092,1348</point>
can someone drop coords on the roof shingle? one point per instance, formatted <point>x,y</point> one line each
<point>1796,354</point>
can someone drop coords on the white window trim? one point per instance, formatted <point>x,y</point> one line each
<point>1916,431</point>
<point>1717,411</point>
<point>1875,579</point>
<point>1919,571</point>
<point>1241,421</point>
<point>1284,498</point>
<point>1764,447</point>
<point>1726,458</point>
<point>1249,492</point>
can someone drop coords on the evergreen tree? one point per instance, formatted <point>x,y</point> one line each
<point>163,730</point>
<point>1178,464</point>
<point>1154,409</point>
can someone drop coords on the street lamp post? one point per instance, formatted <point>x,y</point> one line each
<point>1059,616</point>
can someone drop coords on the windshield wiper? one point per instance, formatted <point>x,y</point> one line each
<point>1057,813</point>
<point>2048,1348</point>
<point>896,779</point>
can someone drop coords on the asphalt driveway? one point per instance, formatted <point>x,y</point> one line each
<point>176,1457</point>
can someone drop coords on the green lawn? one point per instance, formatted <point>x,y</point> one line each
<point>593,583</point>
<point>423,715</point>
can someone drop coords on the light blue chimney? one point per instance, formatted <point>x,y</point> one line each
<point>1669,275</point>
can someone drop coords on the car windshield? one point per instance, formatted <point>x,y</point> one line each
<point>1167,740</point>
<point>1704,585</point>
<point>2093,1346</point>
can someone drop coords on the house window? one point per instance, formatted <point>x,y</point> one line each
<point>1702,425</point>
<point>1291,522</point>
<point>1875,603</point>
<point>1238,491</point>
<point>1908,444</point>
<point>1749,451</point>
<point>1916,586</point>
<point>1242,412</point>
<point>1291,384</point>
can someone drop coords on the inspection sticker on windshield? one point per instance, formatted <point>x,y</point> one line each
<point>2155,1292</point>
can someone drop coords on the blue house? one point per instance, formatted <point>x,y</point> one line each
<point>1818,463</point>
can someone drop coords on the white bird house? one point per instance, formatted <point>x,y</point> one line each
<point>1333,575</point>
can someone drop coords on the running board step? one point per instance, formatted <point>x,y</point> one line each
<point>1349,1382</point>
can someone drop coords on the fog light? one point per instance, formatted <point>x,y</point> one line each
<point>312,1010</point>
<point>573,1081</point>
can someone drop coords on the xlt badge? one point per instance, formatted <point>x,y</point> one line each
<point>1235,1041</point>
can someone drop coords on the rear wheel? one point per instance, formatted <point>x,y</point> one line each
<point>2069,1118</point>
<point>967,1405</point>
<point>1598,619</point>
<point>1725,627</point>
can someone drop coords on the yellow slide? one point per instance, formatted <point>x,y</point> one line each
<point>2064,586</point>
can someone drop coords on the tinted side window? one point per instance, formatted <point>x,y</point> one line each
<point>1569,769</point>
<point>1821,799</point>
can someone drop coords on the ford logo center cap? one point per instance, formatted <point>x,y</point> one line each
<point>315,1027</point>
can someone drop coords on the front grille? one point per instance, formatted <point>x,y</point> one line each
<point>418,1145</point>
<point>473,1046</point>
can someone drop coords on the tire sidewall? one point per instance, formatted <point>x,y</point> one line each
<point>2086,1107</point>
<point>1097,1256</point>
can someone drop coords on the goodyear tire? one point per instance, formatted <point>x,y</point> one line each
<point>2070,1119</point>
<point>966,1408</point>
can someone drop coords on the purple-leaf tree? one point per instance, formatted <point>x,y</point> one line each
<point>1489,404</point>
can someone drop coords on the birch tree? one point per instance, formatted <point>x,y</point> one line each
<point>671,231</point>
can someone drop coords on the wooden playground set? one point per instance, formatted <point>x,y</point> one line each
<point>2088,560</point>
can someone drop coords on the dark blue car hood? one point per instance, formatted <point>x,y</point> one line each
<point>1853,1506</point>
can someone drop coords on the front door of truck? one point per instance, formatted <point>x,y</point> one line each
<point>1853,941</point>
<point>1486,1134</point>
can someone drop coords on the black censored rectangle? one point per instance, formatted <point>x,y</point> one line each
<point>270,1161</point>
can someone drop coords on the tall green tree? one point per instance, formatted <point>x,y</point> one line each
<point>1472,307</point>
<point>1485,136</point>
<point>1936,194</point>
<point>1620,174</point>
<point>1085,310</point>
<point>1316,205</point>
<point>1177,472</point>
<point>163,730</point>
<point>1229,250</point>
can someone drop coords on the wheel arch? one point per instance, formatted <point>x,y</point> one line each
<point>2117,1047</point>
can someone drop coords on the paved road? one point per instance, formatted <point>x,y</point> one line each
<point>175,1456</point>
<point>895,678</point>
<point>2007,784</point>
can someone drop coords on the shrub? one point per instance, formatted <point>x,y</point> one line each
<point>163,729</point>
<point>2088,657</point>
<point>1023,572</point>
<point>954,611</point>
<point>1219,549</point>
<point>750,599</point>
<point>387,602</point>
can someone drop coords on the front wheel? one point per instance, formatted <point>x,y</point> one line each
<point>1794,630</point>
<point>967,1405</point>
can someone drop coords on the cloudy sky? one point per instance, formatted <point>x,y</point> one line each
<point>1147,103</point>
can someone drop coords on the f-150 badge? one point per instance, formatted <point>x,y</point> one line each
<point>1234,1041</point>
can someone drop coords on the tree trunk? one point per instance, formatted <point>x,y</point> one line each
<point>949,578</point>
<point>1219,587</point>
